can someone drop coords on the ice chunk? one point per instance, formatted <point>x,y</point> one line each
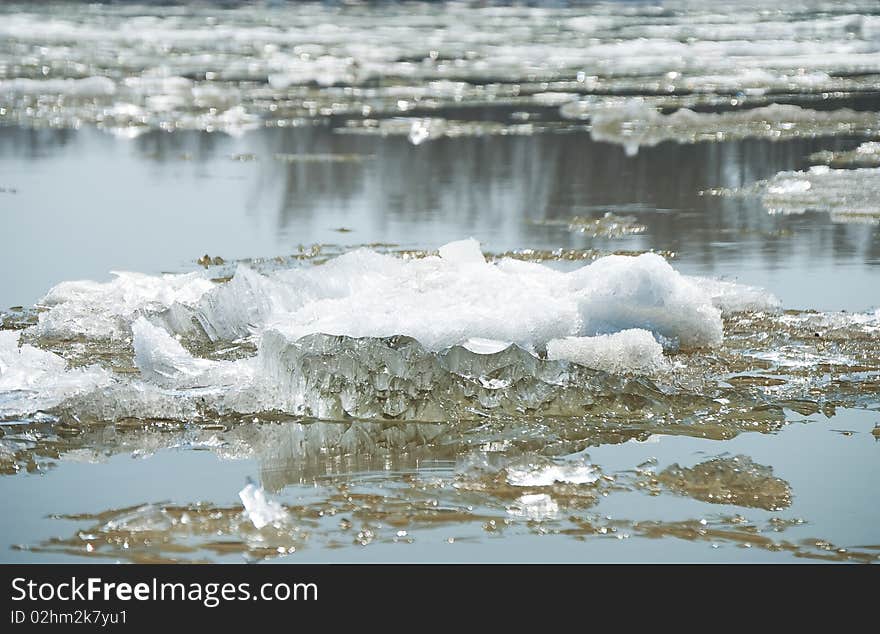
<point>620,292</point>
<point>103,311</point>
<point>423,130</point>
<point>633,350</point>
<point>163,359</point>
<point>438,304</point>
<point>789,186</point>
<point>374,336</point>
<point>442,302</point>
<point>32,380</point>
<point>463,252</point>
<point>232,310</point>
<point>261,510</point>
<point>865,155</point>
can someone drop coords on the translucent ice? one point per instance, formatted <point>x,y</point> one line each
<point>375,336</point>
<point>732,297</point>
<point>32,380</point>
<point>97,310</point>
<point>163,360</point>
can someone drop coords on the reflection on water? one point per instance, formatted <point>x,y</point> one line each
<point>159,201</point>
<point>352,492</point>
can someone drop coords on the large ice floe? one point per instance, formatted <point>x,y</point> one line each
<point>365,335</point>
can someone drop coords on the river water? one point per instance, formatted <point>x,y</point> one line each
<point>277,184</point>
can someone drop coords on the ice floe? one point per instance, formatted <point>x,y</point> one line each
<point>377,336</point>
<point>847,194</point>
<point>637,124</point>
<point>249,65</point>
<point>105,310</point>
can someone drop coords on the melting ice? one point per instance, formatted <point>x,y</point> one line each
<point>127,68</point>
<point>369,335</point>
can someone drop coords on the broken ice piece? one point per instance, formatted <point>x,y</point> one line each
<point>260,509</point>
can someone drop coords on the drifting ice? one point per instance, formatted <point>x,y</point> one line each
<point>371,336</point>
<point>260,509</point>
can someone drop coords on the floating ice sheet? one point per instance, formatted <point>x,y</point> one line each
<point>637,124</point>
<point>548,475</point>
<point>249,65</point>
<point>849,195</point>
<point>375,336</point>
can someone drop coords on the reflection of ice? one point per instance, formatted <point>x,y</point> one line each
<point>736,480</point>
<point>547,475</point>
<point>537,506</point>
